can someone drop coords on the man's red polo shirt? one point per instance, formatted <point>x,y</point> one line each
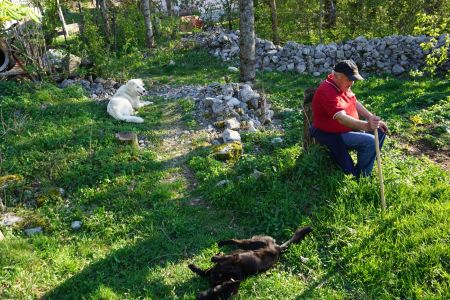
<point>329,100</point>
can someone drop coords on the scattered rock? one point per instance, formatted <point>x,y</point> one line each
<point>126,136</point>
<point>232,124</point>
<point>33,231</point>
<point>230,136</point>
<point>277,140</point>
<point>195,201</point>
<point>228,152</point>
<point>256,174</point>
<point>304,259</point>
<point>2,237</point>
<point>66,83</point>
<point>251,126</point>
<point>10,220</point>
<point>76,225</point>
<point>222,183</point>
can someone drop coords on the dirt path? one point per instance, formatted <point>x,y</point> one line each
<point>177,142</point>
<point>440,157</point>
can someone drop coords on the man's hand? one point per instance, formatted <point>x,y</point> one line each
<point>375,122</point>
<point>383,127</point>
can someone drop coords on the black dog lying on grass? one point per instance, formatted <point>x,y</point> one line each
<point>253,256</point>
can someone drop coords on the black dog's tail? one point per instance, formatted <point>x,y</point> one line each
<point>298,236</point>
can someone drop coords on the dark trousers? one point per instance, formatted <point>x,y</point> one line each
<point>339,145</point>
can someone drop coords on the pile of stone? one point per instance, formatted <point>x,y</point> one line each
<point>170,92</point>
<point>99,89</point>
<point>224,110</point>
<point>391,54</point>
<point>232,107</point>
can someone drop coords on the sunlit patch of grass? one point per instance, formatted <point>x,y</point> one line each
<point>141,229</point>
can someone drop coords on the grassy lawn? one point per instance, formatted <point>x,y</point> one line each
<point>141,227</point>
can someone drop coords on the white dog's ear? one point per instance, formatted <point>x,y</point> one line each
<point>139,81</point>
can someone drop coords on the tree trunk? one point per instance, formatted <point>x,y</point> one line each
<point>81,19</point>
<point>148,23</point>
<point>114,29</point>
<point>320,20</point>
<point>63,21</point>
<point>106,21</point>
<point>169,7</point>
<point>273,12</point>
<point>228,6</point>
<point>330,13</point>
<point>229,15</point>
<point>247,40</point>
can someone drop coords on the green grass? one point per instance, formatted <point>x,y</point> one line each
<point>140,230</point>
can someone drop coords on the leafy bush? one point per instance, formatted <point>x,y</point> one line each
<point>434,26</point>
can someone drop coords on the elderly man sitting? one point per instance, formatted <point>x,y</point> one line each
<point>336,122</point>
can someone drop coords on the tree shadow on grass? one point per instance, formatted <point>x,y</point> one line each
<point>127,272</point>
<point>172,231</point>
<point>314,289</point>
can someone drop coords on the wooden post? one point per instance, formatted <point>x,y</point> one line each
<point>308,140</point>
<point>380,171</point>
<point>63,21</point>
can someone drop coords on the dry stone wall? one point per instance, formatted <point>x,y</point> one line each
<point>392,54</point>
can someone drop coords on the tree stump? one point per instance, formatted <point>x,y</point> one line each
<point>308,140</point>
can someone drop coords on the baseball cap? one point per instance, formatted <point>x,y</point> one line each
<point>349,68</point>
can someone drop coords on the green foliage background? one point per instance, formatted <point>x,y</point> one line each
<point>300,20</point>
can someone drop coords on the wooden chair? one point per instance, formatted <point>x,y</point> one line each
<point>308,140</point>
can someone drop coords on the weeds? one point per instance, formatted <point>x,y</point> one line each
<point>141,226</point>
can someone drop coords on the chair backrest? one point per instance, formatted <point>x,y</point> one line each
<point>308,140</point>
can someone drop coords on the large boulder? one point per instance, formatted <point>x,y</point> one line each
<point>62,62</point>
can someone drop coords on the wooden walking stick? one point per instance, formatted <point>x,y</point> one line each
<point>380,171</point>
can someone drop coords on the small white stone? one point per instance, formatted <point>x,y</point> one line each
<point>232,102</point>
<point>33,231</point>
<point>222,182</point>
<point>231,136</point>
<point>277,140</point>
<point>232,124</point>
<point>76,225</point>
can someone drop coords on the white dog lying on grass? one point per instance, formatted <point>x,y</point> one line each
<point>122,105</point>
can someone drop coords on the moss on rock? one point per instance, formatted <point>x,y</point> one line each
<point>228,152</point>
<point>219,124</point>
